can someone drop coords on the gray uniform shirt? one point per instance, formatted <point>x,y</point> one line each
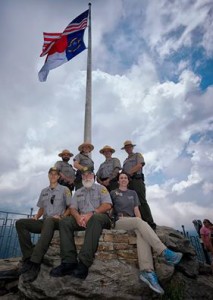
<point>87,200</point>
<point>65,168</point>
<point>124,201</point>
<point>109,168</point>
<point>132,160</point>
<point>84,160</point>
<point>61,198</point>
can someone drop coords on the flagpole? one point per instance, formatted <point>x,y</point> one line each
<point>88,102</point>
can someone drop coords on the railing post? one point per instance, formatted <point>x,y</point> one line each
<point>184,233</point>
<point>31,212</point>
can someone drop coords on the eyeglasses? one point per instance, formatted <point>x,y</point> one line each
<point>52,199</point>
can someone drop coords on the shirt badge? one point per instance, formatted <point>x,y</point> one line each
<point>80,195</point>
<point>118,193</point>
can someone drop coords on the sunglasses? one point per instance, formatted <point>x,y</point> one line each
<point>52,199</point>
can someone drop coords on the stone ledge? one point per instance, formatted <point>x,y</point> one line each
<point>116,277</point>
<point>113,244</point>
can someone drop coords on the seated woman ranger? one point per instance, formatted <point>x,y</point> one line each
<point>128,217</point>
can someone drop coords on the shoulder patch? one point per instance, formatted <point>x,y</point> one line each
<point>67,192</point>
<point>104,191</point>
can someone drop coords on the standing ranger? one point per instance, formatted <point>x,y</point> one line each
<point>133,165</point>
<point>83,162</point>
<point>67,173</point>
<point>109,169</point>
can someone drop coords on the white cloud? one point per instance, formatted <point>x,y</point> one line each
<point>207,188</point>
<point>192,179</point>
<point>170,25</point>
<point>170,121</point>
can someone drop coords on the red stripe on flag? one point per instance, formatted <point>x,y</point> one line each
<point>51,34</point>
<point>72,27</point>
<point>49,40</point>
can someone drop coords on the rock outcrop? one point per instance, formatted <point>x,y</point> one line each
<point>114,274</point>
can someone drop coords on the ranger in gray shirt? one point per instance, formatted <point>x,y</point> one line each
<point>89,207</point>
<point>128,217</point>
<point>67,173</point>
<point>52,203</point>
<point>133,165</point>
<point>109,169</point>
<point>82,162</point>
<point>124,202</point>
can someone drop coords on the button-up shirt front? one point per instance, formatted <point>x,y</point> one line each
<point>109,168</point>
<point>54,201</point>
<point>132,160</point>
<point>88,199</point>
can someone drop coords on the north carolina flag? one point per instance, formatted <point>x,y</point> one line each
<point>61,47</point>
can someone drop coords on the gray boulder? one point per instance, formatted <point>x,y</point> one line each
<point>114,274</point>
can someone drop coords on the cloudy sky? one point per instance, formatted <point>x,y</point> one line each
<point>152,84</point>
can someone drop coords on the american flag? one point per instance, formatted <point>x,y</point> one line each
<point>76,25</point>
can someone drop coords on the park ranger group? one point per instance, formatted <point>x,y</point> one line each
<point>87,209</point>
<point>107,172</point>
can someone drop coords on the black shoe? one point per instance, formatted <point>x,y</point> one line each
<point>32,273</point>
<point>63,269</point>
<point>26,265</point>
<point>81,271</point>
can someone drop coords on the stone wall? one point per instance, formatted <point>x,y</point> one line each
<point>113,244</point>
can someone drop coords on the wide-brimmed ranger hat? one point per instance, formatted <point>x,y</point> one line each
<point>80,148</point>
<point>65,151</point>
<point>107,148</point>
<point>128,143</point>
<point>54,169</point>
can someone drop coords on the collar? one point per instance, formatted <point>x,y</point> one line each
<point>55,188</point>
<point>92,188</point>
<point>130,155</point>
<point>108,159</point>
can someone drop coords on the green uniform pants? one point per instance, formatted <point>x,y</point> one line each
<point>45,227</point>
<point>68,226</point>
<point>139,186</point>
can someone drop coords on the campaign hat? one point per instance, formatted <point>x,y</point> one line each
<point>109,148</point>
<point>80,148</point>
<point>128,143</point>
<point>65,151</point>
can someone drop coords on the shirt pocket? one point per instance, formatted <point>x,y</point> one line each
<point>45,202</point>
<point>81,202</point>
